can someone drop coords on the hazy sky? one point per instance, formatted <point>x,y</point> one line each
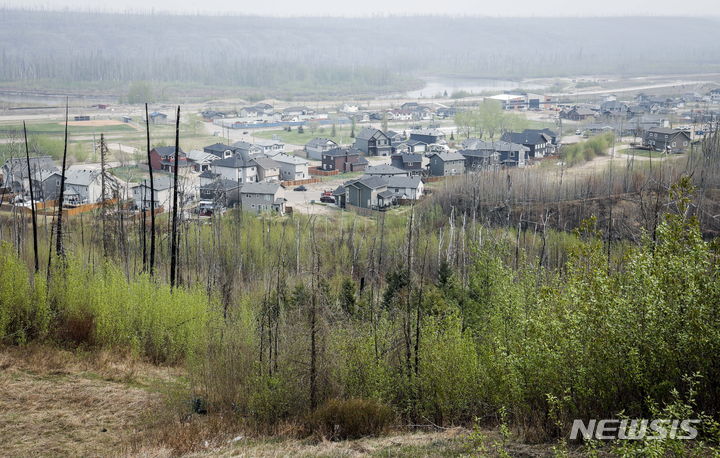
<point>371,7</point>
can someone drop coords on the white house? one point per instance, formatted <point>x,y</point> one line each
<point>292,167</point>
<point>85,185</point>
<point>406,187</point>
<point>240,168</point>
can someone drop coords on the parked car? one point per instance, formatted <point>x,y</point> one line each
<point>327,199</point>
<point>300,188</point>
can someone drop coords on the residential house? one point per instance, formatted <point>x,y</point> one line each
<point>219,194</point>
<point>240,168</point>
<point>298,111</point>
<point>158,118</point>
<point>267,169</point>
<point>220,150</point>
<point>200,160</point>
<point>577,114</point>
<point>411,163</point>
<point>667,140</point>
<point>15,174</point>
<point>385,170</point>
<point>344,160</point>
<point>208,177</point>
<point>317,146</point>
<point>162,194</point>
<point>538,142</point>
<point>46,185</point>
<point>292,167</point>
<point>247,148</point>
<point>482,155</point>
<point>551,134</point>
<point>85,186</point>
<point>269,147</point>
<point>369,192</point>
<point>614,108</point>
<point>163,158</point>
<point>373,142</point>
<point>261,197</point>
<point>410,146</point>
<point>395,137</point>
<point>428,136</point>
<point>447,163</point>
<point>404,187</point>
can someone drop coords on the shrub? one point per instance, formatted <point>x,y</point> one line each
<point>351,419</point>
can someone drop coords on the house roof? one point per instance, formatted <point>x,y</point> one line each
<point>475,144</point>
<point>403,182</point>
<point>448,156</point>
<point>221,184</point>
<point>266,163</point>
<point>664,130</point>
<point>260,188</point>
<point>237,161</point>
<point>386,194</point>
<point>430,132</point>
<point>167,150</point>
<point>219,148</point>
<point>319,141</point>
<point>372,182</point>
<point>339,191</point>
<point>367,133</point>
<point>17,166</point>
<point>408,157</point>
<point>209,174</point>
<point>289,159</point>
<point>384,169</point>
<point>267,142</point>
<point>526,138</point>
<point>545,131</point>
<point>81,177</point>
<point>160,183</point>
<point>201,156</point>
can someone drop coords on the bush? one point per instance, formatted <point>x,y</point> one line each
<point>351,419</point>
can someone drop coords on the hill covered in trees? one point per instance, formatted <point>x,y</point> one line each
<point>339,55</point>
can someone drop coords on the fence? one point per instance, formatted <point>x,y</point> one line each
<point>299,182</point>
<point>323,173</point>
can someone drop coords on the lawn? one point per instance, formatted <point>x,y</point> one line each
<point>645,153</point>
<point>294,138</point>
<point>59,128</point>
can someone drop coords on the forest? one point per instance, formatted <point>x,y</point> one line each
<point>435,315</point>
<point>262,56</point>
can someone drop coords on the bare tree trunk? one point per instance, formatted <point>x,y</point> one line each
<point>61,200</point>
<point>32,202</point>
<point>173,244</point>
<point>152,196</point>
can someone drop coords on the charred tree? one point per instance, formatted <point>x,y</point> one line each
<point>32,202</point>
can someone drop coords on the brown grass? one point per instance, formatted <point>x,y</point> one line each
<point>95,122</point>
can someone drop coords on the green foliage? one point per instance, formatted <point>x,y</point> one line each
<point>489,120</point>
<point>589,149</point>
<point>140,92</point>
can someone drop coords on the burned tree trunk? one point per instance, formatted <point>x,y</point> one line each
<point>152,196</point>
<point>32,202</point>
<point>176,164</point>
<point>61,200</point>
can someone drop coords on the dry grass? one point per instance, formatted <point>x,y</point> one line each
<point>56,403</point>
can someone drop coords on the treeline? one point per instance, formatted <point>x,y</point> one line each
<point>350,53</point>
<point>442,320</point>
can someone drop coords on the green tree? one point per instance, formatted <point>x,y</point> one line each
<point>140,92</point>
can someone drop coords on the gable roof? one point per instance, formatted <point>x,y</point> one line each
<point>266,163</point>
<point>221,184</point>
<point>369,132</point>
<point>342,152</point>
<point>320,141</point>
<point>167,150</point>
<point>219,148</point>
<point>201,156</point>
<point>448,156</point>
<point>289,159</point>
<point>475,144</point>
<point>384,169</point>
<point>409,157</point>
<point>666,131</point>
<point>260,188</point>
<point>371,182</point>
<point>81,177</point>
<point>236,161</point>
<point>526,138</point>
<point>403,182</point>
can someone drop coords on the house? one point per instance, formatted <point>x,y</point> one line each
<point>15,175</point>
<point>220,150</point>
<point>428,136</point>
<point>667,140</point>
<point>482,155</point>
<point>208,177</point>
<point>339,194</point>
<point>267,169</point>
<point>410,146</point>
<point>538,142</point>
<point>404,187</point>
<point>269,147</point>
<point>395,137</point>
<point>247,148</point>
<point>162,193</point>
<point>411,163</point>
<point>46,185</point>
<point>614,108</point>
<point>385,170</point>
<point>344,160</point>
<point>219,194</point>
<point>200,160</point>
<point>240,168</point>
<point>317,146</point>
<point>86,186</point>
<point>551,134</point>
<point>158,118</point>
<point>261,197</point>
<point>369,192</point>
<point>298,111</point>
<point>163,158</point>
<point>373,142</point>
<point>447,163</point>
<point>292,167</point>
<point>577,114</point>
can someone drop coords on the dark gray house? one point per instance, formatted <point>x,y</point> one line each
<point>538,142</point>
<point>666,139</point>
<point>220,150</point>
<point>373,142</point>
<point>411,163</point>
<point>482,155</point>
<point>369,192</point>
<point>427,136</point>
<point>447,163</point>
<point>15,172</point>
<point>385,170</point>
